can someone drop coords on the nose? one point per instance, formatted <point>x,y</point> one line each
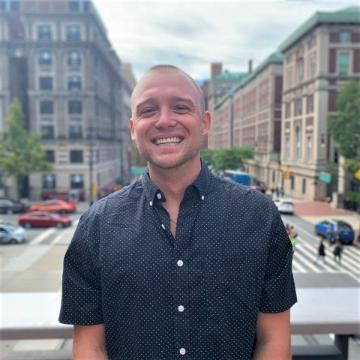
<point>165,119</point>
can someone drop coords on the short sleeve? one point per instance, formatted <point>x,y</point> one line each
<point>81,295</point>
<point>278,293</point>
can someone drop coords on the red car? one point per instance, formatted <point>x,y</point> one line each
<point>43,219</point>
<point>54,206</point>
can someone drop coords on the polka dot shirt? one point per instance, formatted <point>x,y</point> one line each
<point>196,296</point>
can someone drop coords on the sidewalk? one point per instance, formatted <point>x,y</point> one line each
<point>315,211</point>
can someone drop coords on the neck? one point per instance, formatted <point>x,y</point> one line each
<point>173,182</point>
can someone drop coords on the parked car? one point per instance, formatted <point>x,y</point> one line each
<point>285,206</point>
<point>44,219</point>
<point>12,234</point>
<point>54,206</point>
<point>332,228</point>
<point>8,206</point>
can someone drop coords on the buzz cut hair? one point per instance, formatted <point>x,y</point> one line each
<point>169,67</point>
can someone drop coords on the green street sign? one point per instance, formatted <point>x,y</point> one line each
<point>325,177</point>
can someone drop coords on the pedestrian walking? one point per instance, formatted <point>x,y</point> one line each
<point>162,269</point>
<point>321,251</point>
<point>338,249</point>
<point>292,235</point>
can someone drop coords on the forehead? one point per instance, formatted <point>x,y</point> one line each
<point>164,84</point>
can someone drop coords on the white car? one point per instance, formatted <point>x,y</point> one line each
<point>285,206</point>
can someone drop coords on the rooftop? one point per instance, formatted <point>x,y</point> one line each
<point>350,15</point>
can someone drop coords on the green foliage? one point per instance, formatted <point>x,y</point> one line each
<point>228,159</point>
<point>207,155</point>
<point>345,127</point>
<point>20,151</point>
<point>352,196</point>
<point>333,169</point>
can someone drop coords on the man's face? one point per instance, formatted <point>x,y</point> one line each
<point>168,124</point>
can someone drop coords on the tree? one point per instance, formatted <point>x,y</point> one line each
<point>20,150</point>
<point>231,159</point>
<point>345,126</point>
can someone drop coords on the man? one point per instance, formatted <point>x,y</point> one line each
<point>180,264</point>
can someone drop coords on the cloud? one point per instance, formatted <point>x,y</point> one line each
<point>193,34</point>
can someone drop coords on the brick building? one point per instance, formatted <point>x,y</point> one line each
<point>55,57</point>
<point>320,57</point>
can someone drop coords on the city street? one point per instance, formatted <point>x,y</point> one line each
<point>36,266</point>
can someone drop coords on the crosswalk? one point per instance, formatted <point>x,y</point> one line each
<point>305,255</point>
<point>303,261</point>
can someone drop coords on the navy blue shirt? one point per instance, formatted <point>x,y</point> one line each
<point>195,296</point>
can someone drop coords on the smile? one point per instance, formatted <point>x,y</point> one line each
<point>168,141</point>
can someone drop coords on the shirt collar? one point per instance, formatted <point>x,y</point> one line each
<point>201,184</point>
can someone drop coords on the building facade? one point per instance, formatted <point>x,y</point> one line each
<point>257,119</point>
<point>319,59</point>
<point>55,57</point>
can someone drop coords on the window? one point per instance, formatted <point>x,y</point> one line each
<point>45,57</point>
<point>311,66</point>
<point>49,181</point>
<point>298,106</point>
<point>76,156</point>
<point>343,62</point>
<point>288,77</point>
<point>46,107</point>
<point>299,70</point>
<point>74,83</point>
<point>75,107</point>
<point>303,185</point>
<point>345,37</point>
<point>309,147</point>
<point>79,5</point>
<point>297,143</point>
<point>75,131</point>
<point>76,181</point>
<point>292,182</point>
<point>287,110</point>
<point>287,147</point>
<point>309,104</point>
<point>47,132</point>
<point>74,58</point>
<point>50,156</point>
<point>45,83</point>
<point>44,32</point>
<point>73,33</point>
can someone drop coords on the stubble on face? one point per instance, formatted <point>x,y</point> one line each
<point>193,141</point>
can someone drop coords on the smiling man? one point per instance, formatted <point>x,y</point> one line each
<point>176,265</point>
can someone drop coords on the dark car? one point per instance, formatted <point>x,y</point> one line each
<point>332,228</point>
<point>11,234</point>
<point>43,219</point>
<point>8,206</point>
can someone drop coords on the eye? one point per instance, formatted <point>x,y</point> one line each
<point>146,112</point>
<point>181,109</point>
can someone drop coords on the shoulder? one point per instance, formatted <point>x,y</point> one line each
<point>242,196</point>
<point>114,203</point>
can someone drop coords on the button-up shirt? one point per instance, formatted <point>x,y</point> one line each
<point>196,296</point>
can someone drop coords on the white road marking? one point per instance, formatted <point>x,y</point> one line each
<point>38,239</point>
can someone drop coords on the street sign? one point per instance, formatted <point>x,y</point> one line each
<point>357,174</point>
<point>325,177</point>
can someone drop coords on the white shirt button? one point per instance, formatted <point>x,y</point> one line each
<point>150,203</point>
<point>158,195</point>
<point>202,197</point>
<point>181,308</point>
<point>182,351</point>
<point>180,263</point>
<point>163,226</point>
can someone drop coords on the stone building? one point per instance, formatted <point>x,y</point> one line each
<point>320,57</point>
<point>56,58</point>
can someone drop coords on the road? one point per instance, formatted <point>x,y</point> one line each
<point>37,265</point>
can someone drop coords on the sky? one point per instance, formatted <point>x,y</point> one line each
<point>192,34</point>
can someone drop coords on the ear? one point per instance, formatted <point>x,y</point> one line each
<point>206,122</point>
<point>132,128</point>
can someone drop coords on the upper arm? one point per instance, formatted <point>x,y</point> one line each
<point>273,334</point>
<point>89,342</point>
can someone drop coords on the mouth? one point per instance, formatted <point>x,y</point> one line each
<point>168,141</point>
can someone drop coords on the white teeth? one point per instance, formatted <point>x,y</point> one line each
<point>172,140</point>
